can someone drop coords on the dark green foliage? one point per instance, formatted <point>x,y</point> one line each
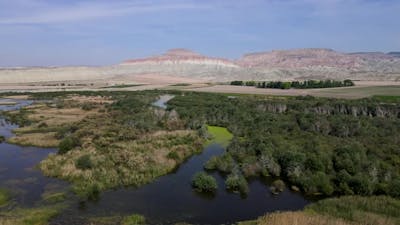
<point>84,162</point>
<point>67,144</point>
<point>237,82</point>
<point>203,182</point>
<point>326,146</point>
<point>224,163</point>
<point>87,106</point>
<point>305,84</point>
<point>2,138</point>
<point>236,182</point>
<point>173,155</point>
<point>277,186</point>
<point>250,83</point>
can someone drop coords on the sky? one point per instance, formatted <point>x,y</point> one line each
<point>105,32</point>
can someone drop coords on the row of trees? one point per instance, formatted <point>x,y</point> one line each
<point>296,84</point>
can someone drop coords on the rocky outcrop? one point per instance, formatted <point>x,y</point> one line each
<point>298,58</point>
<point>370,110</point>
<point>182,56</point>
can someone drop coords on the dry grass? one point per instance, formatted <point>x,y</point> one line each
<point>365,89</point>
<point>47,119</point>
<point>21,97</point>
<point>55,116</point>
<point>297,218</point>
<point>46,140</point>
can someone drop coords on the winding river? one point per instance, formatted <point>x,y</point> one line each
<point>167,200</point>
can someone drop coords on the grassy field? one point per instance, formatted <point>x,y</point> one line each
<point>348,210</point>
<point>220,135</point>
<point>358,92</point>
<point>343,92</point>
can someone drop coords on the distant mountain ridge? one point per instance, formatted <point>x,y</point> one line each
<point>294,64</point>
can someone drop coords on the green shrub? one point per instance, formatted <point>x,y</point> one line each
<point>235,182</point>
<point>4,197</point>
<point>2,138</point>
<point>87,106</point>
<point>134,219</point>
<point>173,155</point>
<point>212,163</point>
<point>84,162</point>
<point>224,163</point>
<point>203,182</point>
<point>277,186</point>
<point>42,125</point>
<point>237,82</point>
<point>67,144</point>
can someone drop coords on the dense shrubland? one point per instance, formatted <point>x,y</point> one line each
<point>325,146</point>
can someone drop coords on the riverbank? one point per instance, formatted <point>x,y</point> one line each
<point>348,210</point>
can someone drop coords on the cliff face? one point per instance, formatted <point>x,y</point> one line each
<point>181,56</point>
<point>314,63</point>
<point>356,110</point>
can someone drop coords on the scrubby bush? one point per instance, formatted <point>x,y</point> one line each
<point>203,182</point>
<point>224,163</point>
<point>235,182</point>
<point>134,219</point>
<point>4,197</point>
<point>87,106</point>
<point>277,186</point>
<point>67,144</point>
<point>84,162</point>
<point>2,138</point>
<point>43,125</point>
<point>173,155</point>
<point>237,82</point>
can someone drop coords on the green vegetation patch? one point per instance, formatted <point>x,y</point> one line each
<point>202,182</point>
<point>237,183</point>
<point>220,135</point>
<point>135,219</point>
<point>4,196</point>
<point>2,138</point>
<point>54,197</point>
<point>32,216</point>
<point>347,210</point>
<point>387,98</point>
<point>363,210</point>
<point>323,146</point>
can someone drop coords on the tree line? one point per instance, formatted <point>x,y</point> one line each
<point>295,84</point>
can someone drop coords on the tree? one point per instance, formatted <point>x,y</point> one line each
<point>203,182</point>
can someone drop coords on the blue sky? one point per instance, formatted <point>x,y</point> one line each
<point>81,32</point>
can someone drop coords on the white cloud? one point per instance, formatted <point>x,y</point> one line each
<point>49,14</point>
